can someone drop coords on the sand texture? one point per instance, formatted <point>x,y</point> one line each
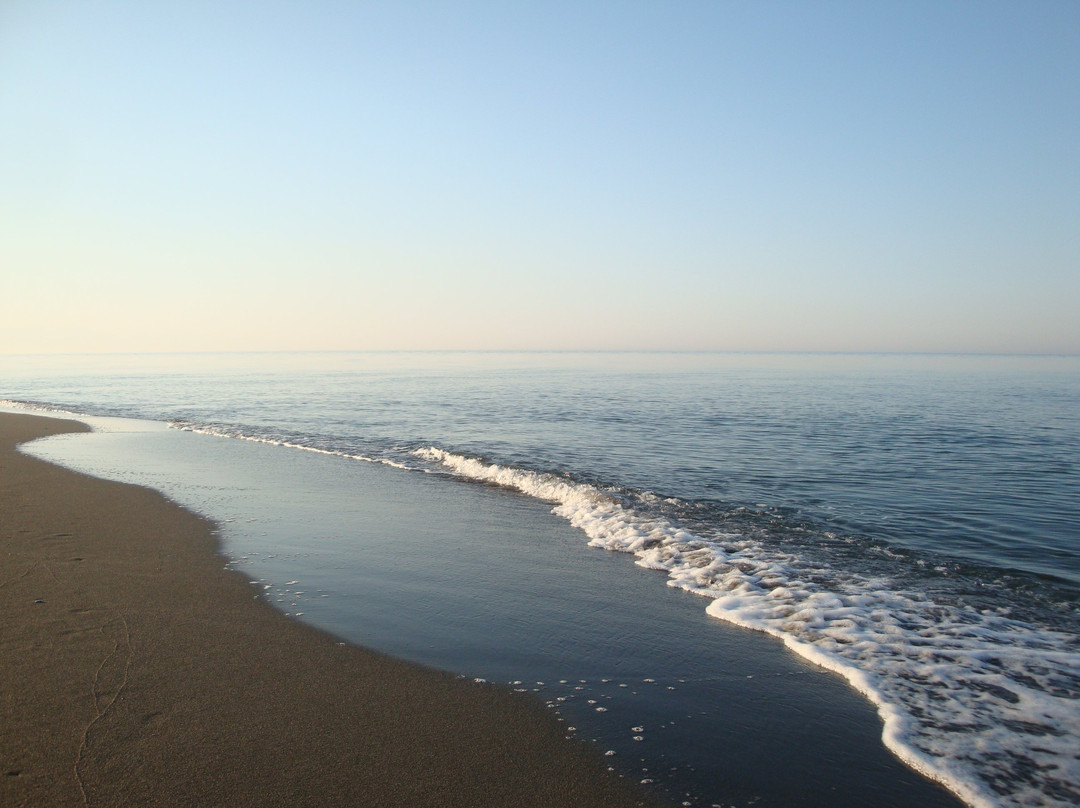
<point>136,670</point>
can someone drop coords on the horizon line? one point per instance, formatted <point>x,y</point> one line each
<point>699,351</point>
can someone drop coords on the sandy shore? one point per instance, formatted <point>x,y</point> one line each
<point>136,670</point>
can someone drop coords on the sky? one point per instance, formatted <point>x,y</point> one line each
<point>744,176</point>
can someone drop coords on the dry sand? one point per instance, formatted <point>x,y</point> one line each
<point>136,670</point>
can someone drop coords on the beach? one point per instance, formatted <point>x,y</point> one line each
<point>783,598</point>
<point>137,670</point>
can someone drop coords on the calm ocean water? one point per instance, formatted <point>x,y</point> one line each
<point>909,522</point>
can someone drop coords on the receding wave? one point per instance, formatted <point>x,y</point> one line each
<point>37,406</point>
<point>226,431</point>
<point>985,704</point>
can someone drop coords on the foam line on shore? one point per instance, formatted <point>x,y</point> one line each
<point>942,676</point>
<point>227,432</point>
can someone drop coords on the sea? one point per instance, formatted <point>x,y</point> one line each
<point>747,579</point>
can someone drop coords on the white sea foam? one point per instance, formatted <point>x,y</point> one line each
<point>985,704</point>
<point>35,406</point>
<point>226,432</point>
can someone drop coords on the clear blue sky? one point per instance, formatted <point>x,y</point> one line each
<point>624,175</point>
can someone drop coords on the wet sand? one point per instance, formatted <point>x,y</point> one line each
<point>136,670</point>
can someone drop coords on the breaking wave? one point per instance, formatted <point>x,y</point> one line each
<point>984,703</point>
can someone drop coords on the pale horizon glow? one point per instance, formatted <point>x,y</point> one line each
<point>704,176</point>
